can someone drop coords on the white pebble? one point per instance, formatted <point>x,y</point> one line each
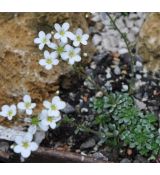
<point>123,51</point>
<point>117,70</point>
<point>124,87</point>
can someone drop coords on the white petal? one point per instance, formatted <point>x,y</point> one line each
<point>21,105</point>
<point>17,149</point>
<point>27,98</point>
<point>53,113</point>
<point>37,40</point>
<point>25,153</point>
<point>43,114</point>
<point>65,26</point>
<point>28,137</point>
<point>64,39</point>
<point>33,146</point>
<point>64,56</point>
<point>77,58</point>
<point>52,46</point>
<point>84,42</point>
<point>48,36</point>
<point>33,105</point>
<point>61,105</point>
<point>48,66</point>
<point>29,111</point>
<point>57,36</point>
<point>53,55</point>
<point>57,27</point>
<point>46,54</point>
<point>32,129</point>
<point>70,35</point>
<point>55,61</point>
<point>85,36</point>
<point>68,47</point>
<point>42,62</point>
<point>77,50</point>
<point>43,127</point>
<point>47,104</point>
<point>41,46</point>
<point>3,113</point>
<point>71,61</point>
<point>18,139</point>
<point>76,43</point>
<point>41,34</point>
<point>5,108</point>
<point>56,119</point>
<point>53,125</point>
<point>79,31</point>
<point>55,99</point>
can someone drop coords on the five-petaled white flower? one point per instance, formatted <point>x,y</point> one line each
<point>71,54</point>
<point>26,105</point>
<point>48,121</point>
<point>8,111</point>
<point>80,38</point>
<point>54,107</point>
<point>58,49</point>
<point>44,39</point>
<point>62,32</point>
<point>24,145</point>
<point>49,60</point>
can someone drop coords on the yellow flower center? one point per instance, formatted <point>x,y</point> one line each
<point>50,119</point>
<point>53,107</point>
<point>60,49</point>
<point>71,54</point>
<point>79,38</point>
<point>27,105</point>
<point>49,61</point>
<point>25,145</point>
<point>62,32</point>
<point>10,113</point>
<point>44,40</point>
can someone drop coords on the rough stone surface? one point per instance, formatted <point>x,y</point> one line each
<point>148,45</point>
<point>20,72</point>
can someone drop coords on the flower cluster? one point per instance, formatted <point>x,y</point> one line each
<point>48,118</point>
<point>66,45</point>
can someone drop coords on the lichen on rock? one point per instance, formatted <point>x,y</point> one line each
<point>148,45</point>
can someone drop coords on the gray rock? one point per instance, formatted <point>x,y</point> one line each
<point>68,109</point>
<point>88,144</point>
<point>125,160</point>
<point>96,39</point>
<point>4,146</point>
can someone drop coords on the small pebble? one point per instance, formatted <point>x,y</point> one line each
<point>84,110</point>
<point>93,65</point>
<point>124,87</point>
<point>99,94</point>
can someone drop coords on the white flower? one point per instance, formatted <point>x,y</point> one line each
<point>48,121</point>
<point>80,38</point>
<point>8,111</point>
<point>32,129</point>
<point>49,60</point>
<point>62,32</point>
<point>44,39</point>
<point>54,107</point>
<point>24,145</point>
<point>59,49</point>
<point>26,105</point>
<point>71,54</point>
